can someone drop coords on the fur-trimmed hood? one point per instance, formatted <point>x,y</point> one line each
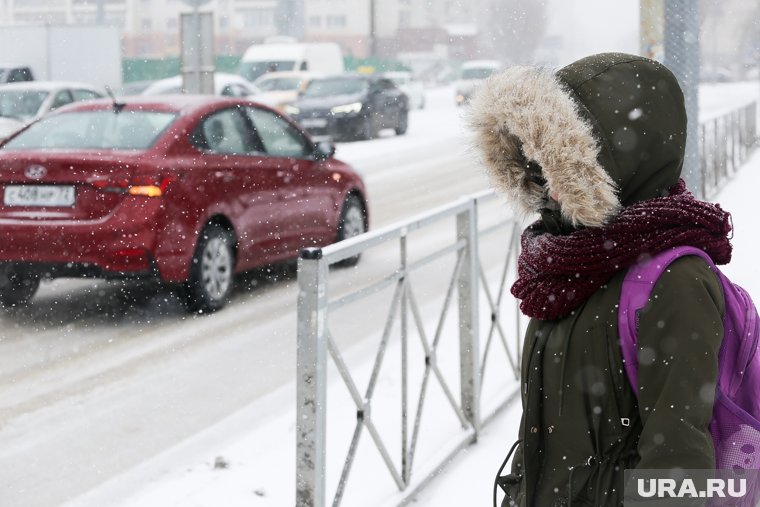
<point>607,131</point>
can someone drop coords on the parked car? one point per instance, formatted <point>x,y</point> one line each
<point>185,189</point>
<point>279,54</point>
<point>413,88</point>
<point>134,88</point>
<point>474,72</point>
<point>351,106</point>
<point>228,85</point>
<point>277,89</point>
<point>22,103</point>
<point>10,73</point>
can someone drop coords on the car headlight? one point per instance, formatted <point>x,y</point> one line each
<point>290,109</point>
<point>354,107</point>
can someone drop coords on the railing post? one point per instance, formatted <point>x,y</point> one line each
<point>469,350</point>
<point>311,379</point>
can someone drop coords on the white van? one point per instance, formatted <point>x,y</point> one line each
<point>319,57</point>
<point>474,72</point>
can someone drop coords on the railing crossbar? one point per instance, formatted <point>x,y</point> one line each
<point>456,247</point>
<point>343,371</point>
<point>430,358</point>
<point>366,417</point>
<point>364,292</point>
<point>350,247</point>
<point>383,452</point>
<point>495,325</point>
<point>392,278</point>
<point>384,342</point>
<point>430,363</point>
<point>348,464</point>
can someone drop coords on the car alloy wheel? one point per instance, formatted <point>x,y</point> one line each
<point>352,223</point>
<point>212,272</point>
<point>216,268</point>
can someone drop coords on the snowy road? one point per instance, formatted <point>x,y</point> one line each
<point>97,378</point>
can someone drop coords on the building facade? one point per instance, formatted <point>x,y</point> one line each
<point>151,27</point>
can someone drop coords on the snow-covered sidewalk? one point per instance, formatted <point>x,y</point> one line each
<point>248,459</point>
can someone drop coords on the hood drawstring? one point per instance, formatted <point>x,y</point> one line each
<point>498,474</point>
<point>564,357</point>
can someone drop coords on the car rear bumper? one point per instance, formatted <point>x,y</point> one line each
<point>121,245</point>
<point>334,126</point>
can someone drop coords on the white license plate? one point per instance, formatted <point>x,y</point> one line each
<point>314,123</point>
<point>39,195</point>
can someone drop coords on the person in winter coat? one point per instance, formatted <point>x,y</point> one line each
<point>597,149</point>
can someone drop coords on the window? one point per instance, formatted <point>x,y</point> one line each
<point>84,94</point>
<point>21,104</point>
<point>146,24</point>
<point>224,132</point>
<point>171,24</point>
<point>128,130</point>
<point>315,21</point>
<point>336,21</point>
<point>20,74</point>
<point>235,90</point>
<point>61,99</point>
<point>280,138</point>
<point>257,18</point>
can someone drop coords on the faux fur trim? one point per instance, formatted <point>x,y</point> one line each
<point>525,113</point>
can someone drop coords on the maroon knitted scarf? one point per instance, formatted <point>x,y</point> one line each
<point>557,273</point>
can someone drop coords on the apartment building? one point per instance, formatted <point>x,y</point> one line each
<point>151,27</point>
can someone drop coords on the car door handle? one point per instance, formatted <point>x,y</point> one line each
<point>225,176</point>
<point>285,176</point>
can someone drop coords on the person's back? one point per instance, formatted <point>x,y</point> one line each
<point>597,149</point>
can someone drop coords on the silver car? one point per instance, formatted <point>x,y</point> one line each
<point>22,103</point>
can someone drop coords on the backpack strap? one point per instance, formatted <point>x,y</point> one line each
<point>637,288</point>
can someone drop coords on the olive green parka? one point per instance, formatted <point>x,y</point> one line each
<point>607,131</point>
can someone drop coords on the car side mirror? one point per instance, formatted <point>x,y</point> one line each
<point>324,150</point>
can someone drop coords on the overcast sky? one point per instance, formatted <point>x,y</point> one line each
<point>593,26</point>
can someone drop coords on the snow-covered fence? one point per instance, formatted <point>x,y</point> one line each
<point>725,143</point>
<point>480,320</point>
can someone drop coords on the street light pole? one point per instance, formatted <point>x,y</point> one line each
<point>372,30</point>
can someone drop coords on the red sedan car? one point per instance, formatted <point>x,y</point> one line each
<point>187,189</point>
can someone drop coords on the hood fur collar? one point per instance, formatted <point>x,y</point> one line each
<point>525,114</point>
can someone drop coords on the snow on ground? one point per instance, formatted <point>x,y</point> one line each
<point>249,458</point>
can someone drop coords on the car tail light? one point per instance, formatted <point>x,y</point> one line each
<point>146,186</point>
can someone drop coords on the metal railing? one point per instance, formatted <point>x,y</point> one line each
<point>725,143</point>
<point>315,342</point>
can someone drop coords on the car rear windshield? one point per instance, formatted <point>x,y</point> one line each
<point>105,129</point>
<point>336,86</point>
<point>278,84</point>
<point>477,73</point>
<point>21,104</point>
<point>252,70</point>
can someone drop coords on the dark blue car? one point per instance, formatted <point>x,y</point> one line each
<point>351,106</point>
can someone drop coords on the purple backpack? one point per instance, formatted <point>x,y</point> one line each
<point>735,425</point>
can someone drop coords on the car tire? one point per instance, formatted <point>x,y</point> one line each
<point>17,287</point>
<point>352,222</point>
<point>403,123</point>
<point>368,130</point>
<point>212,270</point>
